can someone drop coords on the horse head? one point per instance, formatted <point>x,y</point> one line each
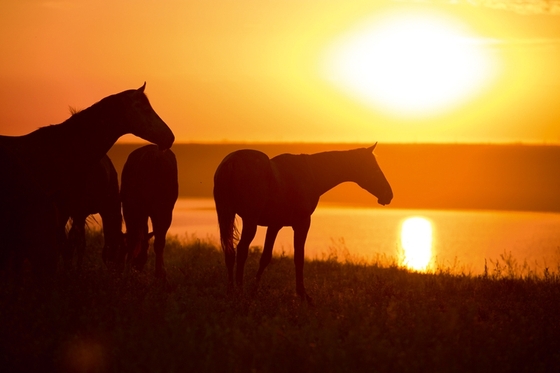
<point>142,121</point>
<point>370,177</point>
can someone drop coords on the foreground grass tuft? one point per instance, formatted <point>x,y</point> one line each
<point>366,318</point>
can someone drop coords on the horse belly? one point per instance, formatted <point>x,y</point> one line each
<point>283,214</point>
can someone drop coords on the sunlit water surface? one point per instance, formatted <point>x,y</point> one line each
<point>461,240</point>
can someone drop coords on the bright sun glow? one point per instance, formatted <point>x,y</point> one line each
<point>411,64</point>
<point>416,241</point>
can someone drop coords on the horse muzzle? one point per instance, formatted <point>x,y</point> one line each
<point>384,200</point>
<point>166,142</point>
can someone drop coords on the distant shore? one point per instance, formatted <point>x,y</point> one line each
<point>427,176</point>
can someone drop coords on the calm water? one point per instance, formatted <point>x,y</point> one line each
<point>459,239</point>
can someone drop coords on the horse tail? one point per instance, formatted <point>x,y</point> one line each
<point>224,207</point>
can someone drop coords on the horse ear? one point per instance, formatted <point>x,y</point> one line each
<point>141,89</point>
<point>371,148</point>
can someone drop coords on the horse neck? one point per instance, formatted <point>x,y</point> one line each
<point>60,153</point>
<point>89,134</point>
<point>330,169</point>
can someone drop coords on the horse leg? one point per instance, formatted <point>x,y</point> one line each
<point>161,225</point>
<point>247,234</point>
<point>140,255</point>
<point>131,240</point>
<point>123,250</point>
<point>81,245</point>
<point>230,262</point>
<point>44,246</point>
<point>66,248</point>
<point>113,239</point>
<point>300,235</point>
<point>159,245</point>
<point>136,247</point>
<point>77,238</point>
<point>266,255</point>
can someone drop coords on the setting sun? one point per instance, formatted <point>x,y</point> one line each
<point>411,64</point>
<point>342,185</point>
<point>416,241</point>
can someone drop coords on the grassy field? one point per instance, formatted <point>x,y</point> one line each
<point>373,318</point>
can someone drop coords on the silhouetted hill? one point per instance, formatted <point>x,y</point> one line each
<point>438,176</point>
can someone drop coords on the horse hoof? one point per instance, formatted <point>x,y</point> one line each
<point>305,298</point>
<point>309,300</point>
<point>161,274</point>
<point>138,265</point>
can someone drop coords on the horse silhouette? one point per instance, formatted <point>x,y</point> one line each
<point>40,167</point>
<point>283,191</point>
<point>27,220</point>
<point>98,194</point>
<point>149,189</point>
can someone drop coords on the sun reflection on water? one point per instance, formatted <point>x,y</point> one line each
<point>416,242</point>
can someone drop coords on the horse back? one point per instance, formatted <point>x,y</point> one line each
<point>149,179</point>
<point>244,181</point>
<point>50,163</point>
<point>295,185</point>
<point>276,191</point>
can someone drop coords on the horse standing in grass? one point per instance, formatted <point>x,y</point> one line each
<point>284,191</point>
<point>38,169</point>
<point>98,194</point>
<point>149,189</point>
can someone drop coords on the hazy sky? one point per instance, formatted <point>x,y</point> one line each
<point>305,70</point>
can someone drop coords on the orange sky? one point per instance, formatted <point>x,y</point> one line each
<point>251,70</point>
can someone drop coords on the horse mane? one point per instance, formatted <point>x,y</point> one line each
<point>88,115</point>
<point>73,111</point>
<point>75,116</point>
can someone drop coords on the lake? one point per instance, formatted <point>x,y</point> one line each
<point>455,239</point>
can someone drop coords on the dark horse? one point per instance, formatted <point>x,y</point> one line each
<point>284,191</point>
<point>40,167</point>
<point>149,189</point>
<point>98,194</point>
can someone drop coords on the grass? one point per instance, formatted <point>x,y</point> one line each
<point>367,317</point>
